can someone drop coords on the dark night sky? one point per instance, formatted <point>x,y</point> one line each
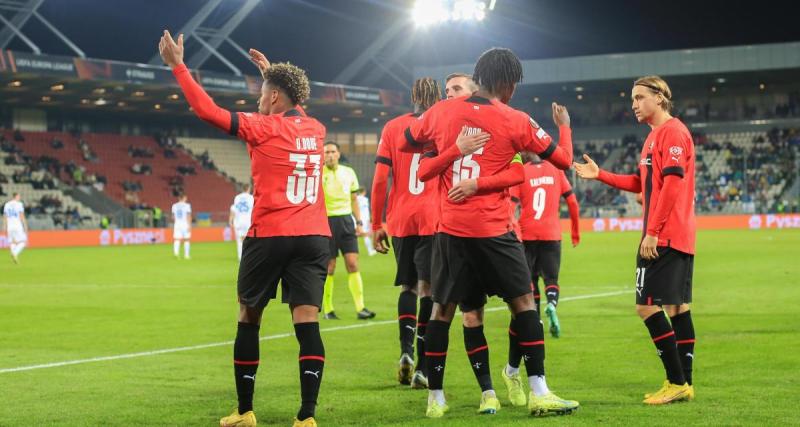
<point>324,36</point>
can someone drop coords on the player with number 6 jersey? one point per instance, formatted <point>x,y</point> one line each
<point>411,214</point>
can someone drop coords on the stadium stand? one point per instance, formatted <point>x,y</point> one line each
<point>133,170</point>
<point>737,172</point>
<point>229,155</point>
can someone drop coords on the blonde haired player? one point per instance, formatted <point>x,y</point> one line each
<point>239,220</point>
<point>182,228</point>
<point>665,263</point>
<point>16,226</point>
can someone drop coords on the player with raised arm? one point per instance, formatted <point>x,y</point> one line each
<point>287,242</point>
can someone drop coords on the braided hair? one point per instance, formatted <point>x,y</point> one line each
<point>426,92</point>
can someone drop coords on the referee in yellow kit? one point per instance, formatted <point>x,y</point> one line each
<point>340,184</point>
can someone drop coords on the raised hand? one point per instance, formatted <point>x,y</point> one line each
<point>588,170</point>
<point>468,144</point>
<point>260,60</point>
<point>560,115</point>
<point>170,51</point>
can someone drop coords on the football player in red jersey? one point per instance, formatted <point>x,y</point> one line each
<point>411,221</point>
<point>475,253</point>
<point>288,239</point>
<point>540,214</point>
<point>665,260</point>
<point>475,343</point>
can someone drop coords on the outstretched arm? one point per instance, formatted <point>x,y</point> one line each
<point>202,104</point>
<point>590,170</point>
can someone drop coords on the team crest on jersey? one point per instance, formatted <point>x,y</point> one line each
<point>675,151</point>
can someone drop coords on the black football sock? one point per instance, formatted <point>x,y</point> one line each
<point>478,354</point>
<point>424,316</point>
<point>407,321</point>
<point>530,337</point>
<point>312,362</point>
<point>514,354</point>
<point>664,338</point>
<point>245,364</point>
<point>684,338</point>
<point>436,342</point>
<point>552,291</point>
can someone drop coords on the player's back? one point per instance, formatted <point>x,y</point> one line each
<point>482,215</point>
<point>540,197</point>
<point>12,210</point>
<point>412,204</point>
<point>242,208</point>
<point>286,156</point>
<point>181,211</point>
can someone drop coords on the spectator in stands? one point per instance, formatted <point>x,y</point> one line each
<point>141,169</point>
<point>3,179</point>
<point>56,144</point>
<point>206,161</point>
<point>169,153</point>
<point>186,170</point>
<point>18,136</point>
<point>77,175</point>
<point>86,151</point>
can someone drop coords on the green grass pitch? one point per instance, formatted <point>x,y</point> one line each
<point>162,330</point>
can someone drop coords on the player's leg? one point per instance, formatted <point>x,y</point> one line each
<point>406,320</point>
<point>548,263</point>
<point>176,244</point>
<point>681,319</point>
<point>436,344</point>
<point>422,265</point>
<point>311,357</point>
<point>505,260</point>
<point>657,285</point>
<point>477,349</point>
<point>302,288</point>
<point>510,372</point>
<point>258,277</point>
<point>349,248</point>
<point>420,378</point>
<point>240,235</point>
<point>333,250</point>
<point>406,279</point>
<point>186,236</point>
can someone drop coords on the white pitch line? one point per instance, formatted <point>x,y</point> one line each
<point>269,337</point>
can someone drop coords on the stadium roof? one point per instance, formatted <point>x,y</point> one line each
<point>325,36</point>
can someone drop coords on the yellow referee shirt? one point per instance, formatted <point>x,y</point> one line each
<point>338,186</point>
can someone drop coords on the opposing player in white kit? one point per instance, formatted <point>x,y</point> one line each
<point>182,229</point>
<point>239,220</point>
<point>363,206</point>
<point>16,226</point>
